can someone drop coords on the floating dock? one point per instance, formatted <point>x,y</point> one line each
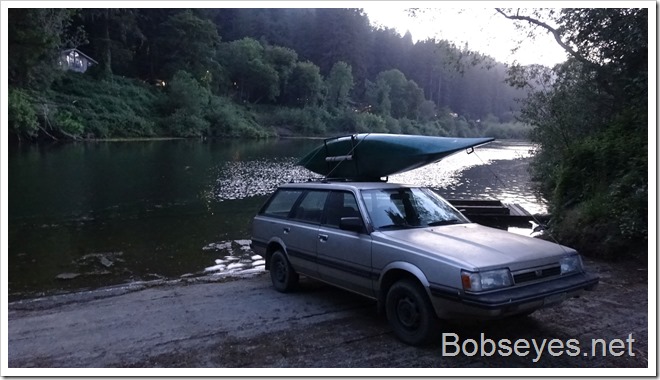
<point>495,213</point>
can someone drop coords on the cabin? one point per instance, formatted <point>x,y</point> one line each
<point>75,60</point>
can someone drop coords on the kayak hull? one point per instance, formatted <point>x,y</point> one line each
<point>371,156</point>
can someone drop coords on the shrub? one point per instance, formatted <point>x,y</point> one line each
<point>367,122</point>
<point>68,123</point>
<point>227,119</point>
<point>184,124</point>
<point>21,115</point>
<point>308,121</point>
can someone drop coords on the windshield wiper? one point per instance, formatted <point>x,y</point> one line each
<point>402,226</point>
<point>444,222</point>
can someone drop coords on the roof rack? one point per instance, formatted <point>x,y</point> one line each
<point>339,179</point>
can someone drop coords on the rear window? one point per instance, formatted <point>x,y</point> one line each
<point>282,202</point>
<point>311,207</point>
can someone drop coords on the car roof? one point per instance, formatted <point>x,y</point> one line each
<point>329,185</point>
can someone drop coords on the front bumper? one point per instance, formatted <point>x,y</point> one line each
<point>511,301</point>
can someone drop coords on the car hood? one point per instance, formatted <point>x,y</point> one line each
<point>480,247</point>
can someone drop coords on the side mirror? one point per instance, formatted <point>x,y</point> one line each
<point>351,223</point>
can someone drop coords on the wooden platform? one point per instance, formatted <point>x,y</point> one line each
<point>494,213</point>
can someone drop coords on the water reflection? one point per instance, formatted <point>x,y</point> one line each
<point>242,179</point>
<point>235,257</point>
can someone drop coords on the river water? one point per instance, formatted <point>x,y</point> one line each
<point>87,215</point>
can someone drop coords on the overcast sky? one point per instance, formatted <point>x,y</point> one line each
<point>481,28</point>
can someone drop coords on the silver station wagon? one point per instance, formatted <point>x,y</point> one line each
<point>413,252</point>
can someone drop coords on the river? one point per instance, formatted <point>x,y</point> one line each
<point>92,214</point>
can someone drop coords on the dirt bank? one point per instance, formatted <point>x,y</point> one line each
<point>245,323</point>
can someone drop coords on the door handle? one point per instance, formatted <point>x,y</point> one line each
<point>287,230</point>
<point>323,238</point>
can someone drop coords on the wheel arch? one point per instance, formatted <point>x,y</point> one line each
<point>396,271</point>
<point>273,246</point>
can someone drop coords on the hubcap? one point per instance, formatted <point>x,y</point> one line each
<point>280,271</point>
<point>407,311</point>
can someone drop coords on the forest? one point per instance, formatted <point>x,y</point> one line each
<point>304,72</point>
<point>246,73</point>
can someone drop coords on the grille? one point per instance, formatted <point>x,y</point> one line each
<point>536,274</point>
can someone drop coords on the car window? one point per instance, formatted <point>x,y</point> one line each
<point>408,208</point>
<point>310,208</point>
<point>282,202</point>
<point>340,204</point>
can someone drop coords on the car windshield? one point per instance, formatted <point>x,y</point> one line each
<point>409,208</point>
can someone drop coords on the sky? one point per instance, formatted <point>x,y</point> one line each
<point>483,29</point>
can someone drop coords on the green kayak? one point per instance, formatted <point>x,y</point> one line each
<point>371,156</point>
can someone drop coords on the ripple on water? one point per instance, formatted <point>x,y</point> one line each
<point>243,179</point>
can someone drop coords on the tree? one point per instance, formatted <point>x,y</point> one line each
<point>339,84</point>
<point>114,36</point>
<point>378,97</point>
<point>36,37</point>
<point>187,42</point>
<point>305,85</point>
<point>252,75</point>
<point>591,123</point>
<point>186,104</point>
<point>283,60</point>
<point>404,95</point>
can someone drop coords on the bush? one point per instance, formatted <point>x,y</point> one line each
<point>308,121</point>
<point>66,122</point>
<point>598,193</point>
<point>367,122</point>
<point>515,130</point>
<point>392,125</point>
<point>183,124</point>
<point>118,107</point>
<point>227,119</point>
<point>21,115</point>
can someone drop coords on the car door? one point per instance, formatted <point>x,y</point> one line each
<point>344,257</point>
<point>300,234</point>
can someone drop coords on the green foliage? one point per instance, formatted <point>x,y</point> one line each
<point>283,60</point>
<point>188,43</point>
<point>186,102</point>
<point>185,124</point>
<point>307,121</point>
<point>393,94</point>
<point>185,92</point>
<point>117,108</point>
<point>36,36</point>
<point>305,85</point>
<point>590,119</point>
<point>68,123</point>
<point>427,111</point>
<point>378,96</point>
<point>366,122</point>
<point>339,85</point>
<point>21,116</point>
<point>252,75</point>
<point>600,194</point>
<point>392,125</point>
<point>492,127</point>
<point>227,119</point>
<point>260,65</point>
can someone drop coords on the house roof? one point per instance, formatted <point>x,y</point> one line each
<point>66,51</point>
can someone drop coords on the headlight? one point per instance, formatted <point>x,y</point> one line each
<point>479,281</point>
<point>570,264</point>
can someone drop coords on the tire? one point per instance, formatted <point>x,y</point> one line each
<point>282,275</point>
<point>411,314</point>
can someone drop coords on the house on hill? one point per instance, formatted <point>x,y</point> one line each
<point>74,59</point>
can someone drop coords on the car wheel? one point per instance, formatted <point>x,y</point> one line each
<point>282,275</point>
<point>410,313</point>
